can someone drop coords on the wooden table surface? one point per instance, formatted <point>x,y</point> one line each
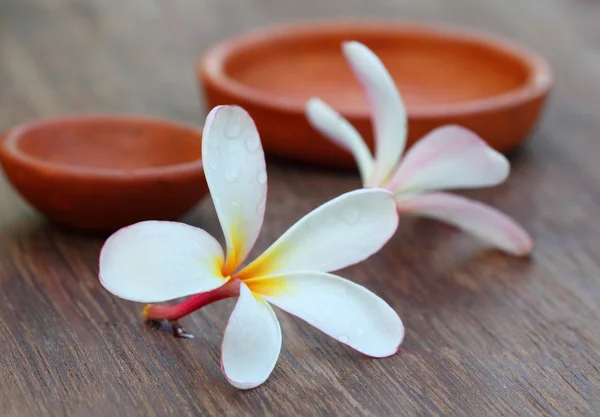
<point>487,334</point>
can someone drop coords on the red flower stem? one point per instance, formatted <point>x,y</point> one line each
<point>191,304</point>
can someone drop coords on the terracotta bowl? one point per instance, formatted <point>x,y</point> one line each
<point>105,172</point>
<point>445,75</point>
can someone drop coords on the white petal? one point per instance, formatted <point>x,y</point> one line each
<point>251,343</point>
<point>484,222</point>
<point>235,171</point>
<point>341,232</point>
<point>333,126</point>
<point>449,157</point>
<point>156,261</point>
<point>342,309</point>
<point>387,109</point>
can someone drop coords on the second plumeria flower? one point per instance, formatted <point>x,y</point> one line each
<point>449,157</point>
<point>157,261</point>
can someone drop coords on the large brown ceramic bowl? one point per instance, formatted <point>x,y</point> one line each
<point>104,172</point>
<point>445,75</point>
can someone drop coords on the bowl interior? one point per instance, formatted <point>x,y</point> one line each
<point>110,144</point>
<point>430,68</point>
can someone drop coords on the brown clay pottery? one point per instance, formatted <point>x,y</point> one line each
<point>104,172</point>
<point>445,75</point>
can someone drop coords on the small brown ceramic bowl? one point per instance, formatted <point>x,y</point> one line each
<point>105,172</point>
<point>445,75</point>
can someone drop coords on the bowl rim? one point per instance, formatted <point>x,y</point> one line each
<point>9,147</point>
<point>539,80</point>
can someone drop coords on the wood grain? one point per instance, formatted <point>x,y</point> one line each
<point>487,334</point>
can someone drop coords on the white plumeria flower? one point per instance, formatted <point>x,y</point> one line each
<point>156,261</point>
<point>449,157</point>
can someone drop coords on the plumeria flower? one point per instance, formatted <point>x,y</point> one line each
<point>449,157</point>
<point>156,261</point>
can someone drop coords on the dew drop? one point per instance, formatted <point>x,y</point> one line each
<point>343,338</point>
<point>252,143</point>
<point>260,208</point>
<point>351,215</point>
<point>231,174</point>
<point>262,177</point>
<point>233,129</point>
<point>235,203</point>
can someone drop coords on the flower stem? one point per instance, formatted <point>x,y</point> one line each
<point>191,304</point>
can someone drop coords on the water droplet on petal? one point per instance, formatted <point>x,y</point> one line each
<point>343,338</point>
<point>233,129</point>
<point>235,203</point>
<point>260,208</point>
<point>252,143</point>
<point>231,174</point>
<point>262,177</point>
<point>351,215</point>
